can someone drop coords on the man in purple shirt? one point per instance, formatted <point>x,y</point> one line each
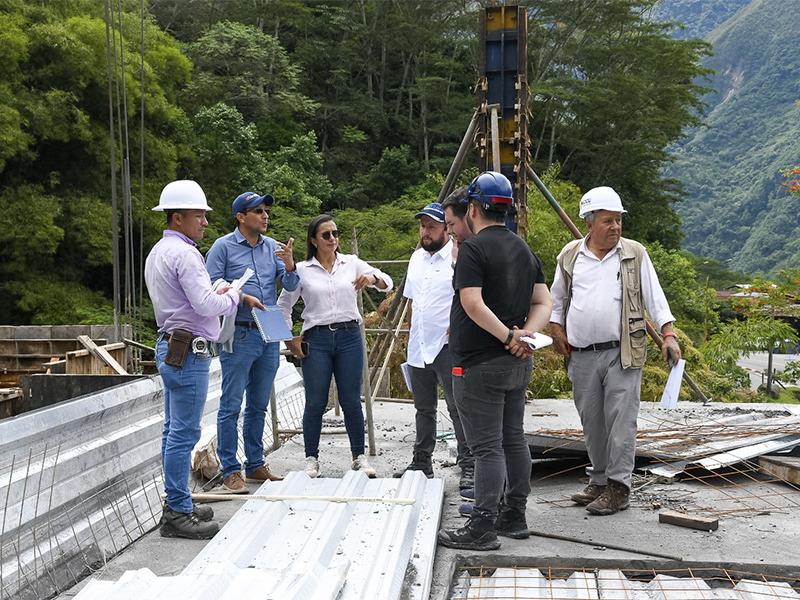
<point>187,312</point>
<point>248,363</point>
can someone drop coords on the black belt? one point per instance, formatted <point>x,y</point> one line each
<point>598,347</point>
<point>248,324</point>
<point>341,325</point>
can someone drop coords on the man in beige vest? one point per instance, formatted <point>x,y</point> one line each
<point>602,286</point>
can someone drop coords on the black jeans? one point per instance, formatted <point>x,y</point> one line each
<point>425,382</point>
<point>491,401</point>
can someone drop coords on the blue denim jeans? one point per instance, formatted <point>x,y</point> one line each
<point>250,367</point>
<point>185,391</point>
<point>491,402</point>
<point>339,353</point>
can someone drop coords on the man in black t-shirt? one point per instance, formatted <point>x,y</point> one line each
<point>500,296</point>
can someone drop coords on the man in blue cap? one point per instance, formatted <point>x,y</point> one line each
<point>429,286</point>
<point>248,363</point>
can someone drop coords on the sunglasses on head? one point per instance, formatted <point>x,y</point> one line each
<point>259,211</point>
<point>326,235</point>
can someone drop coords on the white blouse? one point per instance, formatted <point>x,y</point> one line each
<point>329,297</point>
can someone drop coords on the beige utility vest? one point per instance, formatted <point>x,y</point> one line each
<point>633,334</point>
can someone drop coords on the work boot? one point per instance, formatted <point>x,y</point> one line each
<point>360,463</point>
<point>312,467</point>
<point>420,462</point>
<point>203,512</point>
<point>465,510</point>
<point>511,523</point>
<point>186,525</point>
<point>467,479</point>
<point>614,499</point>
<point>234,484</point>
<point>262,474</point>
<point>477,534</point>
<point>590,493</point>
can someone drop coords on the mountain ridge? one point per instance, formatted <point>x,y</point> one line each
<point>735,208</point>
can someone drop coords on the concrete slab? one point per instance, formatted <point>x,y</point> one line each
<point>745,536</point>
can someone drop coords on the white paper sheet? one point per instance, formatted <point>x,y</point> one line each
<point>669,399</point>
<point>238,283</point>
<point>537,340</point>
<point>406,371</point>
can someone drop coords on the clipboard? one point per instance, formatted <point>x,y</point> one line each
<point>271,325</point>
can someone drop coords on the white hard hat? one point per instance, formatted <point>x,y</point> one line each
<point>600,198</point>
<point>184,193</point>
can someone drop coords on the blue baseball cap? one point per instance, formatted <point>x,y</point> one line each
<point>432,210</point>
<point>250,200</point>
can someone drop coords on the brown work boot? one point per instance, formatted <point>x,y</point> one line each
<point>262,474</point>
<point>234,484</point>
<point>614,499</point>
<point>590,493</point>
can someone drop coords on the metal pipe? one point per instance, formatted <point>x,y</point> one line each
<point>269,498</point>
<point>495,139</point>
<point>455,167</point>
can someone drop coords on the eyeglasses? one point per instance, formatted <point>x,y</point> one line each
<point>259,211</point>
<point>326,235</point>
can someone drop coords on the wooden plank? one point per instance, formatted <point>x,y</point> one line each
<point>785,468</point>
<point>681,519</point>
<point>101,354</point>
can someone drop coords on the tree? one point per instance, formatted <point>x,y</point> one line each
<point>54,149</point>
<point>611,90</point>
<point>248,69</point>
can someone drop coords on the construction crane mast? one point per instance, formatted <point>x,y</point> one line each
<point>502,129</point>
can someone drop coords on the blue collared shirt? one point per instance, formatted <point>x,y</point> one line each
<point>232,254</point>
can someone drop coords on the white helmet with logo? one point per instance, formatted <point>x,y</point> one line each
<point>600,198</point>
<point>182,194</point>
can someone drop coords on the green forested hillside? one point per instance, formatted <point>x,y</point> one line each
<point>351,106</point>
<point>736,209</point>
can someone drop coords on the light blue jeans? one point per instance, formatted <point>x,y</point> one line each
<point>250,367</point>
<point>185,391</point>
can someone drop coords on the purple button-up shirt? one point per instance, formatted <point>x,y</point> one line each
<point>180,288</point>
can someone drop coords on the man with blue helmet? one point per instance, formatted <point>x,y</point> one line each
<point>500,296</point>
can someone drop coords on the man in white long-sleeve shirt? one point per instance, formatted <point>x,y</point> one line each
<point>602,286</point>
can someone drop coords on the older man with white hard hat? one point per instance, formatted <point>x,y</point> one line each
<point>187,312</point>
<point>603,284</point>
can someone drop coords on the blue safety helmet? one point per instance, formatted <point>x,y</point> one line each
<point>492,190</point>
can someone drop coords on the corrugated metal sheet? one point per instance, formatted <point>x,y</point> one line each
<point>612,584</point>
<point>79,479</point>
<point>310,549</point>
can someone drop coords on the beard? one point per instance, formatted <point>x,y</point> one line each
<point>433,245</point>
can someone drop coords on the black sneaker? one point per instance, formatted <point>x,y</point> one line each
<point>420,462</point>
<point>467,479</point>
<point>477,534</point>
<point>187,525</point>
<point>465,510</point>
<point>511,523</point>
<point>467,494</point>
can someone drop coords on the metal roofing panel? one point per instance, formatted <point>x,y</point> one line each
<point>312,548</point>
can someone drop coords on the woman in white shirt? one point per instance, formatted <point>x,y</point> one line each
<point>329,282</point>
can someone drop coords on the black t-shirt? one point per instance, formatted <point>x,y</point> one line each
<point>502,265</point>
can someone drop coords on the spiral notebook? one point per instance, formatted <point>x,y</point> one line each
<point>271,325</point>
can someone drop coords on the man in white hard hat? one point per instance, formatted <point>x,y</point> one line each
<point>187,312</point>
<point>602,286</point>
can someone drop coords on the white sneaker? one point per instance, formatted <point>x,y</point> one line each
<point>362,464</point>
<point>312,467</point>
